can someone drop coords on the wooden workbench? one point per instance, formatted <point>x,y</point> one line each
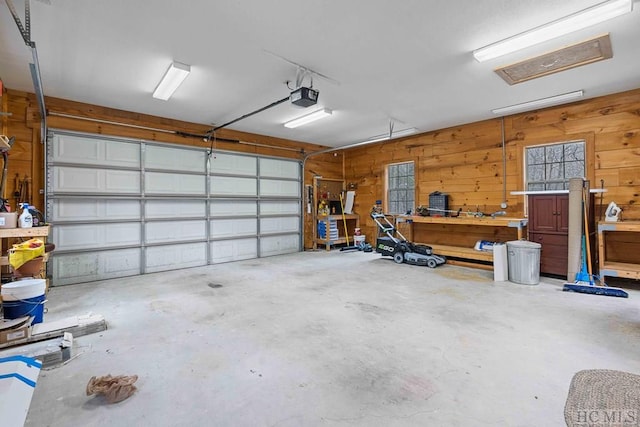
<point>456,236</point>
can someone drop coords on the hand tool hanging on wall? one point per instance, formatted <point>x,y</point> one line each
<point>5,146</point>
<point>17,190</point>
<point>26,184</point>
<point>21,193</point>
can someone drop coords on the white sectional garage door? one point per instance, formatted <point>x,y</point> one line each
<point>126,207</point>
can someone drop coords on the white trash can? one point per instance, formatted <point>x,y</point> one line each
<point>524,262</point>
<point>500,263</point>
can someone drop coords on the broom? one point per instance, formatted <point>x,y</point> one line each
<point>585,282</point>
<point>346,232</point>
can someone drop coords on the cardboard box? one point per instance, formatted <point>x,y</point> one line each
<point>10,336</point>
<point>8,219</point>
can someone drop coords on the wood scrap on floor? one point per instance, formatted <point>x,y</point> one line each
<point>76,325</point>
<point>52,353</point>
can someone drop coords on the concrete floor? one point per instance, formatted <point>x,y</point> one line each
<point>333,339</point>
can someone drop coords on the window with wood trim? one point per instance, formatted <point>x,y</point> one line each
<point>549,167</point>
<point>400,188</point>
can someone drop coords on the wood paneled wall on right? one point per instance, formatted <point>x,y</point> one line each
<point>466,161</point>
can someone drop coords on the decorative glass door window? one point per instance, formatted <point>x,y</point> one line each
<point>549,167</point>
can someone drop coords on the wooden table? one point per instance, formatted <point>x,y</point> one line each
<point>456,236</point>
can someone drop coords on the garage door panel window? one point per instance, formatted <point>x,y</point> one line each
<point>234,250</point>
<point>274,168</point>
<point>232,164</point>
<point>66,210</point>
<point>96,151</point>
<point>172,183</point>
<point>96,236</point>
<point>172,257</point>
<point>172,231</point>
<point>96,265</point>
<point>231,186</point>
<point>169,209</point>
<point>234,208</point>
<point>93,180</point>
<point>178,159</point>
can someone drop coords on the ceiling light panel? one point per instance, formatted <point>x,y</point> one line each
<point>397,134</point>
<point>568,24</point>
<point>573,56</point>
<point>539,103</point>
<point>172,79</point>
<point>308,118</point>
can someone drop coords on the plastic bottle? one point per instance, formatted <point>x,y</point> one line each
<point>25,220</point>
<point>38,218</point>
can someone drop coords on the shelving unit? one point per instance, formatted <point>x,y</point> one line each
<point>21,233</point>
<point>334,229</point>
<point>615,268</point>
<point>331,222</point>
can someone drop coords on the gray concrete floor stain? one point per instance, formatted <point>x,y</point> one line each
<point>333,339</point>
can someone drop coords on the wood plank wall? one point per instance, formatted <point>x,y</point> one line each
<point>466,161</point>
<point>26,157</point>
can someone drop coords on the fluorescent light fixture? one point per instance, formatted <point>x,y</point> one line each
<point>308,118</point>
<point>398,134</point>
<point>568,24</point>
<point>171,80</point>
<point>538,103</point>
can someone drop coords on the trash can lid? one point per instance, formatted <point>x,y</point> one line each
<point>524,244</point>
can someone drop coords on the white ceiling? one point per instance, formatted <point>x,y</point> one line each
<point>407,60</point>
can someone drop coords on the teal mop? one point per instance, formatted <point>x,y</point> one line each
<point>585,282</point>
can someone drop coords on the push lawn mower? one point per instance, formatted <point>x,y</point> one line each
<point>400,249</point>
